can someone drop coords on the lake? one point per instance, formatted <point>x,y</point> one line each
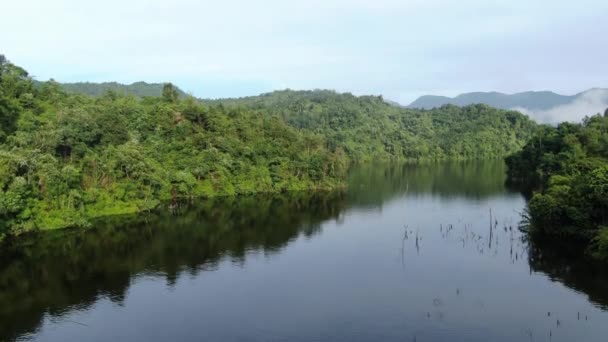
<point>407,253</point>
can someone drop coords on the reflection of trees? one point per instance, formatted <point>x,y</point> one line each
<point>60,270</point>
<point>371,185</point>
<point>564,263</point>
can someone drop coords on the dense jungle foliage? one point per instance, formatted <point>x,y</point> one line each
<point>367,127</point>
<point>67,158</point>
<point>568,165</point>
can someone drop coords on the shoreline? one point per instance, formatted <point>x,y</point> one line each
<point>136,208</point>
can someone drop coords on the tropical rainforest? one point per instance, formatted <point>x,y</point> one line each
<point>67,158</point>
<point>568,167</point>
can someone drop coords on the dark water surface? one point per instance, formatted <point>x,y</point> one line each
<point>408,253</point>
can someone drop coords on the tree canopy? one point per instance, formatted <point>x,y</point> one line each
<point>568,165</point>
<point>367,127</point>
<point>67,158</point>
<point>137,89</point>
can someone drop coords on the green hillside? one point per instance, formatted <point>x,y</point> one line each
<point>139,89</point>
<point>532,100</point>
<point>66,159</point>
<point>367,127</point>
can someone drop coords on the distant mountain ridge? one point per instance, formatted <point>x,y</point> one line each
<point>139,89</point>
<point>544,106</point>
<point>530,99</point>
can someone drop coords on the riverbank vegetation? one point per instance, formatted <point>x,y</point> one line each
<point>66,158</point>
<point>568,166</point>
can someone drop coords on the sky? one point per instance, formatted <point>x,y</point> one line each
<point>398,49</point>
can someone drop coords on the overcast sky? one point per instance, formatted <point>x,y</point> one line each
<point>400,49</point>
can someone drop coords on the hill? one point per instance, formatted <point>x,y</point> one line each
<point>533,100</point>
<point>543,106</point>
<point>138,89</point>
<point>367,127</point>
<point>66,159</point>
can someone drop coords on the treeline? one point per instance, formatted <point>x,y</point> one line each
<point>67,158</point>
<point>367,127</point>
<point>568,166</point>
<point>138,89</point>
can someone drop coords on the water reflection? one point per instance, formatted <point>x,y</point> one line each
<point>373,184</point>
<point>59,271</point>
<point>566,264</point>
<point>451,227</point>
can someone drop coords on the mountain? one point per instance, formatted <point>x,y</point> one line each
<point>139,89</point>
<point>534,100</point>
<point>368,128</point>
<point>543,106</point>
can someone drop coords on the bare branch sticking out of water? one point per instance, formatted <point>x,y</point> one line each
<point>405,237</point>
<point>491,231</point>
<point>70,321</point>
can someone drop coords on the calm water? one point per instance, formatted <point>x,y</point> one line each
<point>427,253</point>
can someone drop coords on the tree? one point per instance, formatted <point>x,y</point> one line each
<point>14,83</point>
<point>567,167</point>
<point>170,93</point>
<point>83,156</point>
<point>2,63</point>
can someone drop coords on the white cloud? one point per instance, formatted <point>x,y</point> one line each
<point>393,47</point>
<point>587,104</point>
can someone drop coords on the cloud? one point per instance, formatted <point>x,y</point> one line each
<point>589,103</point>
<point>397,48</point>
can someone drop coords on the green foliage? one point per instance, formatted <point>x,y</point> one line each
<point>600,244</point>
<point>137,89</point>
<point>170,93</point>
<point>67,158</point>
<point>15,96</point>
<point>368,128</point>
<point>569,166</point>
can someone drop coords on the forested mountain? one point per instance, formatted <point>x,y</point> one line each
<point>67,158</point>
<point>568,166</point>
<point>533,100</point>
<point>139,89</point>
<point>367,127</point>
<point>542,106</point>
